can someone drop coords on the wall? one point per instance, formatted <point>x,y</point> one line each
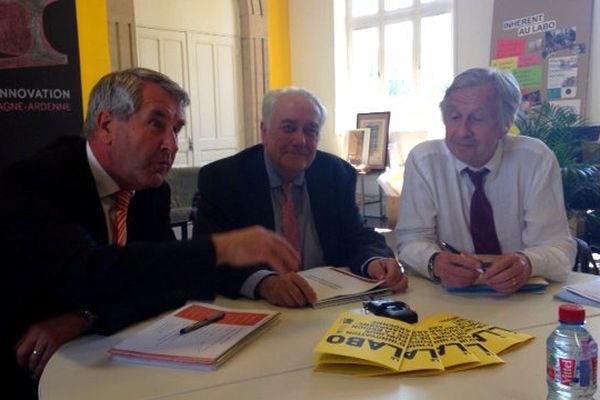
<point>312,58</point>
<point>207,16</point>
<point>278,43</point>
<point>312,50</point>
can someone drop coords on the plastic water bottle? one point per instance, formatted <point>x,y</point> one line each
<point>572,357</point>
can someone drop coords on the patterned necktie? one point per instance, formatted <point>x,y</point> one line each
<point>483,230</point>
<point>119,230</point>
<point>289,225</point>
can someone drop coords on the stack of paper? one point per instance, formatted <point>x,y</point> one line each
<point>337,286</point>
<point>204,348</point>
<point>587,293</point>
<point>369,345</point>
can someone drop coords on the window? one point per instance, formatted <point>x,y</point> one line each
<point>400,59</point>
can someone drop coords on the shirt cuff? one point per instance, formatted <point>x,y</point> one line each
<point>249,287</point>
<point>363,268</point>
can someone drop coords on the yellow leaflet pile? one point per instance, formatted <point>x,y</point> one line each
<point>368,345</point>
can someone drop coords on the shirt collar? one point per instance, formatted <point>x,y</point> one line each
<point>104,183</point>
<point>275,179</point>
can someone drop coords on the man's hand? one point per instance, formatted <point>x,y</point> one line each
<point>289,290</point>
<point>508,272</point>
<point>456,270</point>
<point>391,273</point>
<point>42,339</point>
<point>255,245</point>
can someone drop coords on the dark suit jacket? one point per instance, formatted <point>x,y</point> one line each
<point>56,258</point>
<point>234,192</point>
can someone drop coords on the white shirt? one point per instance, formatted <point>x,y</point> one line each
<point>524,187</point>
<point>106,187</point>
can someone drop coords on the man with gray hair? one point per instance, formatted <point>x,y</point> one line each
<point>308,196</point>
<point>483,192</point>
<point>85,224</point>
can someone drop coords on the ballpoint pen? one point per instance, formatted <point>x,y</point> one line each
<point>446,246</point>
<point>203,322</point>
<point>449,248</point>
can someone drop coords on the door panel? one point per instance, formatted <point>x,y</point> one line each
<point>214,128</point>
<point>165,51</point>
<point>215,92</point>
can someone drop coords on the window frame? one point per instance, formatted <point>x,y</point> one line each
<point>382,18</point>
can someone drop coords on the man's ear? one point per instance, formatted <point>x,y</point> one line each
<point>104,126</point>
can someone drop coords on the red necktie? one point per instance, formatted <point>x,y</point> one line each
<point>483,230</point>
<point>289,225</point>
<point>119,230</point>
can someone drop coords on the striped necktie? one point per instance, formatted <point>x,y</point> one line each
<point>483,229</point>
<point>119,228</point>
<point>289,225</point>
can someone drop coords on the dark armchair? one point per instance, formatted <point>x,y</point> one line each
<point>183,182</point>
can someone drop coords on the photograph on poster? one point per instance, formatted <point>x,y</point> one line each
<point>379,124</point>
<point>530,99</point>
<point>558,39</point>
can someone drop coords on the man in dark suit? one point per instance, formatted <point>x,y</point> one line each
<point>252,187</point>
<point>73,267</point>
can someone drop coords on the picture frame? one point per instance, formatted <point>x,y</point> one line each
<point>379,125</point>
<point>357,146</point>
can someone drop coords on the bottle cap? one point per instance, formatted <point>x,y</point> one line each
<point>571,313</point>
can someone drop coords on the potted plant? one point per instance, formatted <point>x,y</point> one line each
<point>557,127</point>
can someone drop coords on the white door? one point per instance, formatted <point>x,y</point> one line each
<point>215,95</point>
<point>165,51</point>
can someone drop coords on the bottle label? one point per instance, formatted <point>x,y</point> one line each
<point>566,372</point>
<point>571,372</point>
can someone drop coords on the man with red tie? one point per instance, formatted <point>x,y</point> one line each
<point>308,196</point>
<point>85,225</point>
<point>484,192</point>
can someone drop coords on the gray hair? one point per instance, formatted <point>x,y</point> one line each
<point>120,93</point>
<point>274,95</point>
<point>505,85</point>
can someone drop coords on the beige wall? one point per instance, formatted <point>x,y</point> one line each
<point>207,16</point>
<point>312,58</point>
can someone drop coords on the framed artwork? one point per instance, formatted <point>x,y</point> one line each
<point>357,146</point>
<point>379,125</point>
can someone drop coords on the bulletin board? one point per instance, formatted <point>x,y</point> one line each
<point>545,44</point>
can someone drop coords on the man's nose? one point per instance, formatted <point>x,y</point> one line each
<point>298,137</point>
<point>170,141</point>
<point>463,127</point>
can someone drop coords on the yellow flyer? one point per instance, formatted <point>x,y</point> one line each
<point>421,357</point>
<point>368,339</point>
<point>494,338</point>
<point>446,337</point>
<point>485,356</point>
<point>367,345</point>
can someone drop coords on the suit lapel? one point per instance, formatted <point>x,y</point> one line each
<point>258,193</point>
<point>322,203</point>
<point>86,204</point>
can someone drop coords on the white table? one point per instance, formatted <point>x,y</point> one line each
<point>279,363</point>
<point>523,377</point>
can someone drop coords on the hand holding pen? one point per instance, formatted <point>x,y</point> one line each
<point>455,268</point>
<point>484,265</point>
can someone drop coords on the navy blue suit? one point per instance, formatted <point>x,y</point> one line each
<point>234,192</point>
<point>56,256</point>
